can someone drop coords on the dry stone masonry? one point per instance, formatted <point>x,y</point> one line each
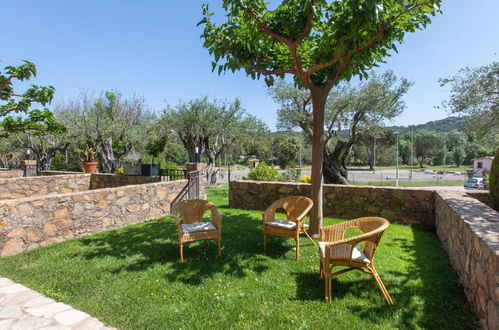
<point>410,206</point>
<point>42,185</point>
<point>30,222</point>
<point>469,231</point>
<point>7,174</point>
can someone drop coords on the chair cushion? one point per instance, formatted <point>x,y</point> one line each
<point>286,224</point>
<point>196,227</point>
<point>357,254</point>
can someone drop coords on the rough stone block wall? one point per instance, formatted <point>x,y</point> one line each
<point>28,223</point>
<point>42,185</point>
<point>100,180</point>
<point>482,195</point>
<point>469,231</point>
<point>410,206</point>
<point>7,174</point>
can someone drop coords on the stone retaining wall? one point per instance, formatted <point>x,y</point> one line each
<point>101,180</point>
<point>7,174</point>
<point>410,206</point>
<point>28,223</point>
<point>42,185</point>
<point>469,231</point>
<point>482,195</point>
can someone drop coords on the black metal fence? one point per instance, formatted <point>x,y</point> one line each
<point>173,174</point>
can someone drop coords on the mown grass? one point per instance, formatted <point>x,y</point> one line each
<point>131,278</point>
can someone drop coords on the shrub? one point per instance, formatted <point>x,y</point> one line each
<point>494,181</point>
<point>264,173</point>
<point>291,175</point>
<point>305,179</point>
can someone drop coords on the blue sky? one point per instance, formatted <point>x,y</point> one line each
<point>153,49</point>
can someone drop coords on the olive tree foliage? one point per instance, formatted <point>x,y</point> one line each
<point>108,122</point>
<point>211,126</point>
<point>426,144</point>
<point>475,92</point>
<point>376,140</point>
<point>357,111</point>
<point>11,152</point>
<point>16,114</point>
<point>44,147</point>
<point>318,42</point>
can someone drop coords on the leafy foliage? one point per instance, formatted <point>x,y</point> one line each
<point>156,146</point>
<point>458,155</point>
<point>425,144</point>
<point>265,173</point>
<point>475,92</point>
<point>291,175</point>
<point>305,179</point>
<point>109,122</point>
<point>317,41</point>
<point>15,113</point>
<point>288,151</point>
<point>352,112</point>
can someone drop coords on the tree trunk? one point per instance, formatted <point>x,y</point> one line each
<point>108,162</point>
<point>334,164</point>
<point>319,97</point>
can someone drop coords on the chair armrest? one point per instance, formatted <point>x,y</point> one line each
<point>216,218</point>
<point>372,237</point>
<point>177,223</point>
<point>269,213</point>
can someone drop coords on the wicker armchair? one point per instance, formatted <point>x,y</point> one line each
<point>193,228</point>
<point>296,208</point>
<point>335,250</point>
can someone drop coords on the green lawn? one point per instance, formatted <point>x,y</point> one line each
<point>132,278</point>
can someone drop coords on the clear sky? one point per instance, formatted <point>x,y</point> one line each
<point>153,48</point>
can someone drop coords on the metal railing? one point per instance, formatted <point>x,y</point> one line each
<point>172,174</point>
<point>190,191</point>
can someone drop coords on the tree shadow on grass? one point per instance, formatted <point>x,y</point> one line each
<point>426,292</point>
<point>142,246</point>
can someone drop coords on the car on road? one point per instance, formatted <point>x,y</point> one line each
<point>474,183</point>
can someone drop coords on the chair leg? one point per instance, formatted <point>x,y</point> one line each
<point>310,238</point>
<point>181,249</point>
<point>219,247</point>
<point>328,288</point>
<point>297,240</point>
<point>321,271</point>
<point>381,285</point>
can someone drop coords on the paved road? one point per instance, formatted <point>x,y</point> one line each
<point>366,176</point>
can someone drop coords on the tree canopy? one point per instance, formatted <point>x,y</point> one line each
<point>475,92</point>
<point>351,114</point>
<point>318,42</point>
<point>16,114</point>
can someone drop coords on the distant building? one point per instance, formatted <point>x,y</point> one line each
<point>482,164</point>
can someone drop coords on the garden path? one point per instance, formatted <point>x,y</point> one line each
<point>23,308</point>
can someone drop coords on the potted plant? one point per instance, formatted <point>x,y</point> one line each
<point>89,153</point>
<point>154,148</point>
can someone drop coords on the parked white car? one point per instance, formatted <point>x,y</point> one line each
<point>474,183</point>
<point>429,172</point>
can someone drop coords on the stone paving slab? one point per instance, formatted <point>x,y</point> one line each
<point>22,308</point>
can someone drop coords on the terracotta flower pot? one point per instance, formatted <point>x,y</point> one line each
<point>89,167</point>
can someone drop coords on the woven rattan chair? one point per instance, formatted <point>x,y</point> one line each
<point>188,216</point>
<point>336,250</point>
<point>296,208</point>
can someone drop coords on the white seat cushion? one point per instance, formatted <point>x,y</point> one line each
<point>286,224</point>
<point>200,226</point>
<point>357,254</point>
